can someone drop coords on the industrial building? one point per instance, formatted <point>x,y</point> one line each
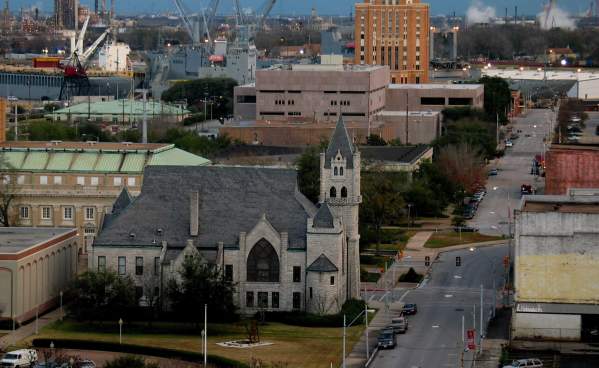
<point>394,33</point>
<point>571,166</point>
<point>66,14</point>
<point>556,259</point>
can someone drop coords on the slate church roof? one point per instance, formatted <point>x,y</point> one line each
<point>231,200</point>
<point>322,264</point>
<point>324,217</point>
<point>340,142</point>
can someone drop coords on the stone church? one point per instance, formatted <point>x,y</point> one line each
<point>282,252</point>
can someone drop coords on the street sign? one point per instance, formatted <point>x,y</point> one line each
<point>471,333</point>
<point>458,261</point>
<point>427,261</point>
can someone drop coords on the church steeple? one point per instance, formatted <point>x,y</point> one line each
<point>341,144</point>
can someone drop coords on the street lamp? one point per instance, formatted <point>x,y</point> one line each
<point>61,312</point>
<point>120,330</point>
<point>345,326</point>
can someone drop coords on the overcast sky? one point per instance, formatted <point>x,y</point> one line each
<point>322,6</point>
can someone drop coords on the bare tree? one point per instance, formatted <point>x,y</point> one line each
<point>151,295</point>
<point>8,190</point>
<point>464,165</point>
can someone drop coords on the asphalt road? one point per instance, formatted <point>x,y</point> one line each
<point>433,339</point>
<point>503,191</point>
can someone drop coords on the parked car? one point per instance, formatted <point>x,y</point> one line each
<point>19,358</point>
<point>465,229</point>
<point>386,339</point>
<point>85,364</point>
<point>409,308</point>
<point>525,363</point>
<point>509,144</point>
<point>469,213</point>
<point>399,325</point>
<point>493,172</point>
<point>526,189</point>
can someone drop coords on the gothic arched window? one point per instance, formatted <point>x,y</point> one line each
<point>341,171</point>
<point>335,172</point>
<point>344,192</point>
<point>263,263</point>
<point>333,193</point>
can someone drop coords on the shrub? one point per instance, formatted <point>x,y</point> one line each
<point>351,309</point>
<point>188,356</point>
<point>410,276</point>
<point>130,361</point>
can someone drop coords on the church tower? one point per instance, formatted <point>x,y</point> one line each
<point>340,190</point>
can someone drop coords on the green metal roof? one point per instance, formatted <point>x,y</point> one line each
<point>177,157</point>
<point>122,107</point>
<point>109,162</point>
<point>134,162</point>
<point>94,160</point>
<point>60,162</point>
<point>85,162</point>
<point>35,161</point>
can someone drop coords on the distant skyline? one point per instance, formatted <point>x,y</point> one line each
<point>328,7</point>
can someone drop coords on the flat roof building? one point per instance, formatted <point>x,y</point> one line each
<point>35,265</point>
<point>434,96</point>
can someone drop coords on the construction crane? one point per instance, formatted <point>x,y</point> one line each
<point>266,9</point>
<point>191,30</point>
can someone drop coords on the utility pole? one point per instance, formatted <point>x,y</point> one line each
<point>480,339</point>
<point>497,132</point>
<point>205,335</point>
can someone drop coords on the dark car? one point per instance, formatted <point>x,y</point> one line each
<point>493,172</point>
<point>409,309</point>
<point>386,339</point>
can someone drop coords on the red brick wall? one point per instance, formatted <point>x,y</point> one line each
<point>576,168</point>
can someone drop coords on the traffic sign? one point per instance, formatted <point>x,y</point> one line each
<point>471,333</point>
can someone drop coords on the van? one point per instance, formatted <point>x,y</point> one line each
<point>19,359</point>
<point>525,363</point>
<point>399,324</point>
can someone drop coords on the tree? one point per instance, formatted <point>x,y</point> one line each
<point>308,173</point>
<point>217,91</point>
<point>471,131</point>
<point>382,201</point>
<point>101,295</point>
<point>498,97</point>
<point>130,361</point>
<point>198,284</point>
<point>376,140</point>
<point>8,191</point>
<point>151,299</point>
<point>464,165</point>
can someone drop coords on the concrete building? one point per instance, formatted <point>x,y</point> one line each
<point>396,158</point>
<point>282,252</point>
<point>574,166</point>
<point>321,92</point>
<point>556,262</point>
<point>414,127</point>
<point>36,264</point>
<point>394,33</point>
<point>75,184</point>
<point>434,97</point>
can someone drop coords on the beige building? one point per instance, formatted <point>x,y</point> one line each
<point>36,264</point>
<point>556,267</point>
<point>394,33</point>
<point>321,93</point>
<point>434,97</point>
<point>74,184</point>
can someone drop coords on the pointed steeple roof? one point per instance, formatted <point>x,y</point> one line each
<point>340,142</point>
<point>322,264</point>
<point>324,218</point>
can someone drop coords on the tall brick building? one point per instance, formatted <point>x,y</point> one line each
<point>570,167</point>
<point>394,33</point>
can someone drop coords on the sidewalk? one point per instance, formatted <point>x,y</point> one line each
<point>27,330</point>
<point>357,357</point>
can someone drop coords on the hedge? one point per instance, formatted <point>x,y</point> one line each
<point>351,309</point>
<point>188,356</point>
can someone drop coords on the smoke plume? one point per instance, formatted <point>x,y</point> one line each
<point>479,13</point>
<point>555,17</point>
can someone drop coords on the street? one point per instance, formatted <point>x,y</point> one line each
<point>503,191</point>
<point>434,335</point>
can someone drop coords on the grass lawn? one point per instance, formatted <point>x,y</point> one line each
<point>293,345</point>
<point>391,239</point>
<point>442,240</point>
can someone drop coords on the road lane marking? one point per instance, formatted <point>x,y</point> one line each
<point>436,326</point>
<point>448,296</point>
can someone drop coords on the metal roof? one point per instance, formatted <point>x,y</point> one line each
<point>14,240</point>
<point>121,107</point>
<point>42,158</point>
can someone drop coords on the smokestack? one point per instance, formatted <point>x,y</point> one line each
<point>505,15</point>
<point>96,6</point>
<point>516,15</point>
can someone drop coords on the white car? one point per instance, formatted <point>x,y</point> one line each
<point>19,358</point>
<point>525,363</point>
<point>509,144</point>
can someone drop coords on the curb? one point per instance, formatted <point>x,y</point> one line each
<point>372,356</point>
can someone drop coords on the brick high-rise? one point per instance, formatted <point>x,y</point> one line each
<point>394,33</point>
